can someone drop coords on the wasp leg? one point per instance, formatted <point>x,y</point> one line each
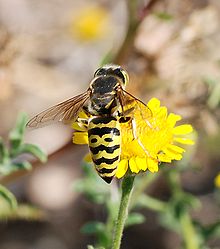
<point>134,130</point>
<point>129,112</point>
<point>83,123</point>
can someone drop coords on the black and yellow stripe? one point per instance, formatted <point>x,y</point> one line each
<point>104,144</point>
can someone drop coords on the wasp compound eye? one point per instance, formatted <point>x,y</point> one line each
<point>121,74</point>
<point>100,71</point>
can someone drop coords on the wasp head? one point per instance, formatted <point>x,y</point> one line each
<point>115,71</point>
<point>104,87</point>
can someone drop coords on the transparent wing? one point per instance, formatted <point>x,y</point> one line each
<point>140,118</point>
<point>65,112</point>
<point>132,106</point>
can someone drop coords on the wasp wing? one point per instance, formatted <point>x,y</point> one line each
<point>132,106</point>
<point>65,112</point>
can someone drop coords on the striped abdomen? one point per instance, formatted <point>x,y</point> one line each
<point>104,144</point>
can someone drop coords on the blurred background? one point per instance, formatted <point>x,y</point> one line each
<point>49,51</point>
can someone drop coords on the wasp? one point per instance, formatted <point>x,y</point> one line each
<point>107,105</point>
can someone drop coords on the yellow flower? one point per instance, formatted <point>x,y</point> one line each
<point>90,23</point>
<point>157,139</point>
<point>217,181</point>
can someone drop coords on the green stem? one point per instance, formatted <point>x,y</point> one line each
<point>112,206</point>
<point>188,232</point>
<point>127,185</point>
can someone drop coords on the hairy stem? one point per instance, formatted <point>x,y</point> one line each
<point>127,185</point>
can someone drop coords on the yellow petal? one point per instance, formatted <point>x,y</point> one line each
<point>172,154</point>
<point>217,181</point>
<point>122,168</point>
<point>133,165</point>
<point>152,165</point>
<point>175,148</point>
<point>162,113</point>
<point>164,158</point>
<point>80,138</point>
<point>154,103</point>
<point>182,129</point>
<point>141,163</point>
<point>135,148</point>
<point>172,119</point>
<point>183,140</point>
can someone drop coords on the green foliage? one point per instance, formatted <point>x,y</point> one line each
<point>20,211</point>
<point>134,219</point>
<point>97,229</point>
<point>11,160</point>
<point>173,214</point>
<point>146,201</point>
<point>97,191</point>
<point>214,92</point>
<point>94,188</point>
<point>175,208</point>
<point>7,199</point>
<point>207,232</point>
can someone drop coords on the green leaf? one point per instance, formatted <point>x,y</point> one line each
<point>177,206</point>
<point>99,230</point>
<point>33,150</point>
<point>152,203</point>
<point>16,135</point>
<point>209,231</point>
<point>28,212</point>
<point>10,167</point>
<point>93,227</point>
<point>23,212</point>
<point>4,153</point>
<point>22,165</point>
<point>8,197</point>
<point>134,219</point>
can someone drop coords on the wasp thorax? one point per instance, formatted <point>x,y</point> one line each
<point>103,97</point>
